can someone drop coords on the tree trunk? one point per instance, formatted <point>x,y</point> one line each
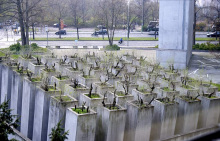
<point>77,30</point>
<point>27,24</point>
<point>59,27</point>
<point>33,30</point>
<point>21,22</point>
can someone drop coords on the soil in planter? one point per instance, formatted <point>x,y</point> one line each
<point>166,100</point>
<point>166,89</point>
<point>62,77</point>
<point>93,95</point>
<point>79,110</point>
<point>88,76</point>
<point>78,86</point>
<point>120,93</point>
<point>49,70</point>
<point>37,79</point>
<point>189,98</point>
<point>73,69</point>
<point>139,105</point>
<point>64,98</point>
<point>187,87</point>
<point>143,90</point>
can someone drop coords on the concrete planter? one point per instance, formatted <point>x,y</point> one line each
<point>16,93</point>
<point>210,111</point>
<point>57,111</point>
<point>164,120</point>
<point>147,84</point>
<point>93,103</point>
<point>75,92</point>
<point>60,83</point>
<point>36,69</point>
<point>116,70</point>
<point>188,115</point>
<point>73,74</point>
<point>119,86</point>
<point>49,74</point>
<point>71,59</point>
<point>41,113</point>
<point>60,67</point>
<point>7,72</point>
<point>147,97</point>
<point>49,60</point>
<point>206,88</point>
<point>103,88</point>
<point>88,80</point>
<point>167,93</point>
<point>28,106</point>
<point>133,78</point>
<point>191,90</point>
<point>172,76</point>
<point>96,72</point>
<point>81,127</point>
<point>112,78</point>
<point>138,122</point>
<point>110,124</point>
<point>121,98</point>
<point>24,62</point>
<point>128,57</point>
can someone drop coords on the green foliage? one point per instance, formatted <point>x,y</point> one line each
<point>34,46</point>
<point>156,46</point>
<point>6,121</point>
<point>200,26</point>
<point>15,47</point>
<point>113,47</point>
<point>206,46</point>
<point>58,133</point>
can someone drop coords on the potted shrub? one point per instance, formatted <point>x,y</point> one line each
<point>81,123</point>
<point>60,81</point>
<point>35,67</point>
<point>25,59</point>
<point>73,72</point>
<point>143,93</point>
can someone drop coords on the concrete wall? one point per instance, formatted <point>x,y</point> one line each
<point>138,123</point>
<point>175,32</point>
<point>28,106</point>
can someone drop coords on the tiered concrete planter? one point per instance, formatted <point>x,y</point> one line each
<point>49,73</point>
<point>119,86</point>
<point>7,72</point>
<point>36,69</point>
<point>28,106</point>
<point>191,90</point>
<point>16,93</point>
<point>172,76</point>
<point>103,88</point>
<point>138,122</point>
<point>209,115</point>
<point>72,73</point>
<point>24,62</point>
<point>146,97</point>
<point>116,70</point>
<point>60,83</point>
<point>96,72</point>
<point>57,111</point>
<point>49,60</point>
<point>147,84</point>
<point>60,67</point>
<point>112,78</point>
<point>88,80</point>
<point>167,92</point>
<point>164,120</point>
<point>81,127</point>
<point>93,103</point>
<point>121,98</point>
<point>206,88</point>
<point>75,92</point>
<point>72,59</point>
<point>110,124</point>
<point>41,113</point>
<point>188,115</point>
<point>133,78</point>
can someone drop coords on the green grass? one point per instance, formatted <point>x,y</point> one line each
<point>113,108</point>
<point>15,56</point>
<point>166,89</point>
<point>79,110</point>
<point>63,78</point>
<point>88,76</point>
<point>120,94</point>
<point>2,54</point>
<point>187,87</point>
<point>37,79</point>
<point>64,98</point>
<point>93,96</point>
<point>106,39</point>
<point>216,85</point>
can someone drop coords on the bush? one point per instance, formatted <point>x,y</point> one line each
<point>113,47</point>
<point>206,46</point>
<point>34,45</point>
<point>15,47</point>
<point>200,26</point>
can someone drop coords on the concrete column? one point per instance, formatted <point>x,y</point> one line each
<point>175,32</point>
<point>28,104</point>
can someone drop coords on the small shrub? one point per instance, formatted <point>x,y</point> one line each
<point>207,46</point>
<point>15,47</point>
<point>34,45</point>
<point>113,47</point>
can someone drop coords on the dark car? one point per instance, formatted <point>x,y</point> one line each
<point>100,32</point>
<point>214,34</point>
<point>61,32</point>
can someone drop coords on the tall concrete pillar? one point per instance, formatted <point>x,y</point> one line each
<point>175,32</point>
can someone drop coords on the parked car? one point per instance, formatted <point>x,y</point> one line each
<point>61,32</point>
<point>214,34</point>
<point>100,32</point>
<point>57,25</point>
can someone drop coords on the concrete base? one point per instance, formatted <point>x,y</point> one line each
<point>179,58</point>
